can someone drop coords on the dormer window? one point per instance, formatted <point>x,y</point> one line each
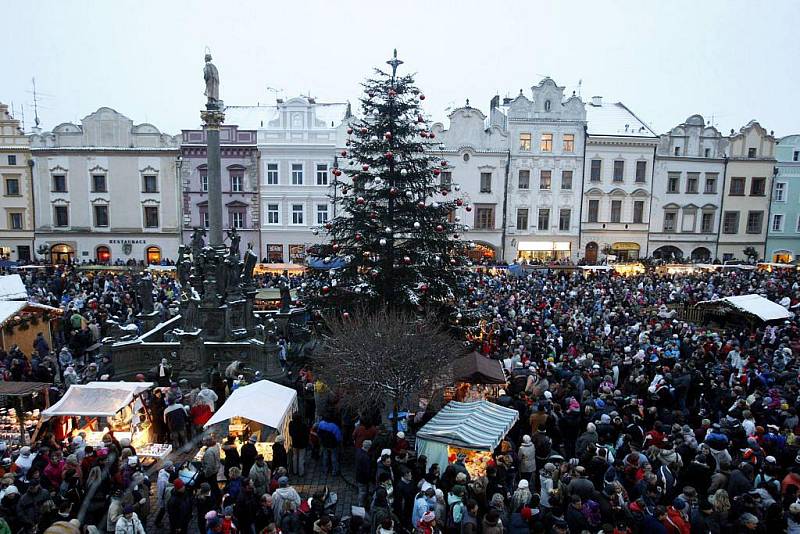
<point>751,152</point>
<point>547,105</point>
<point>677,151</point>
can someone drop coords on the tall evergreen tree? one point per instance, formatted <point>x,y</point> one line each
<point>394,232</point>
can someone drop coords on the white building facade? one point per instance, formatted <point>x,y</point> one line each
<point>16,207</point>
<point>617,183</point>
<point>106,191</point>
<point>687,191</point>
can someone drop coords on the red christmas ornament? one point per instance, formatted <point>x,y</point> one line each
<point>407,260</point>
<point>388,135</point>
<point>388,155</point>
<point>373,215</point>
<point>459,202</point>
<point>468,208</point>
<point>393,191</point>
<point>392,92</point>
<point>420,204</point>
<point>358,236</point>
<point>423,134</point>
<point>439,228</point>
<point>421,96</point>
<point>328,226</point>
<point>325,290</point>
<point>420,118</point>
<point>444,192</point>
<point>436,172</point>
<point>365,167</point>
<point>335,247</point>
<point>431,135</point>
<point>360,201</point>
<point>444,163</point>
<point>349,131</point>
<point>344,153</point>
<point>345,316</point>
<point>337,172</point>
<point>423,288</point>
<point>363,131</point>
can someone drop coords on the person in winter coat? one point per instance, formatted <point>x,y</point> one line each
<point>491,523</point>
<point>586,441</point>
<point>246,507</point>
<point>284,493</point>
<point>676,520</point>
<point>299,432</point>
<point>363,472</point>
<point>469,522</point>
<point>522,496</point>
<point>740,481</point>
<point>248,454</point>
<point>129,523</point>
<point>330,437</point>
<point>260,475</point>
<point>279,456</point>
<point>29,508</point>
<point>204,503</point>
<point>290,523</point>
<point>527,458</point>
<point>575,519</point>
<point>264,515</point>
<point>179,508</point>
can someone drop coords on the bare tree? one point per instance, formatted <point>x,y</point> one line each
<point>385,357</point>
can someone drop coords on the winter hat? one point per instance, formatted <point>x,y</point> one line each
<point>178,484</point>
<point>523,484</point>
<point>526,439</point>
<point>794,508</point>
<point>128,509</point>
<point>748,519</point>
<point>549,467</point>
<point>283,482</point>
<point>366,445</point>
<point>679,504</point>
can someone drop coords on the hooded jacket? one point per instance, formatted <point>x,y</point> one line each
<point>527,458</point>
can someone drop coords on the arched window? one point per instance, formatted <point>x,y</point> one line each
<point>61,253</point>
<point>153,255</point>
<point>547,105</point>
<point>102,254</point>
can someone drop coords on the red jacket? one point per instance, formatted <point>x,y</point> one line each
<point>675,523</point>
<point>200,414</point>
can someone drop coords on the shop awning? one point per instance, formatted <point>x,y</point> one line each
<point>478,369</point>
<point>12,288</point>
<point>756,305</point>
<point>101,399</point>
<point>264,402</point>
<point>473,425</point>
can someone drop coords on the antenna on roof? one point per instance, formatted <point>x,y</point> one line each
<point>35,104</point>
<point>580,83</point>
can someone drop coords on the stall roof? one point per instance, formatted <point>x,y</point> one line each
<point>478,369</point>
<point>21,389</point>
<point>96,398</point>
<point>473,425</point>
<point>12,288</point>
<point>9,308</point>
<point>265,402</point>
<point>764,309</point>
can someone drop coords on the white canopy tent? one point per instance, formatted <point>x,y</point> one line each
<point>264,402</point>
<point>101,399</point>
<point>753,304</point>
<point>12,288</point>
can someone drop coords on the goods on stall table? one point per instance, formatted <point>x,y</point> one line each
<point>475,462</point>
<point>9,425</point>
<point>154,450</point>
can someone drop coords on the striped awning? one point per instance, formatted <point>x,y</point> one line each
<point>472,425</point>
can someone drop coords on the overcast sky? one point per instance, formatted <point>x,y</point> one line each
<point>734,60</point>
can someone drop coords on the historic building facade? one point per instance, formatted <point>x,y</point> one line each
<point>240,183</point>
<point>783,238</point>
<point>687,191</point>
<point>297,141</point>
<point>617,183</point>
<point>106,190</point>
<point>16,206</point>
<point>746,196</point>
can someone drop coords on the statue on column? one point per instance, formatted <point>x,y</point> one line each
<point>211,76</point>
<point>145,288</point>
<point>235,240</point>
<point>198,242</point>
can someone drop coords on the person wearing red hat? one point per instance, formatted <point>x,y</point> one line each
<point>179,508</point>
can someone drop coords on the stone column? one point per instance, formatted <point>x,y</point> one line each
<point>212,119</point>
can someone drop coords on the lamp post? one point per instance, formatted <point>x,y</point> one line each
<point>179,188</point>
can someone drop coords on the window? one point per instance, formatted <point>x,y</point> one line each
<point>151,217</point>
<point>61,215</point>
<point>707,152</point>
<point>758,187</point>
<point>692,182</point>
<point>752,152</point>
<point>737,186</point>
<point>673,182</point>
<point>322,213</point>
<point>150,183</point>
<point>546,144</point>
<point>204,181</point>
<point>297,213</point>
<point>101,216</point>
<point>677,151</point>
<point>486,182</point>
<point>544,219</point>
<point>798,224</point>
<point>547,105</point>
<point>545,177</point>
<point>446,180</point>
<point>641,171</point>
<point>99,184</point>
<point>707,223</point>
<point>525,142</point>
<point>272,174</point>
<point>796,155</point>
<point>153,255</point>
<point>754,219</point>
<point>669,220</point>
<point>689,219</point>
<point>12,159</point>
<point>103,254</point>
<point>59,183</point>
<point>273,214</point>
<point>522,219</point>
<point>297,174</point>
<point>12,187</point>
<point>595,172</point>
<point>711,183</point>
<point>15,221</point>
<point>564,219</point>
<point>730,222</point>
<point>594,209</point>
<point>638,211</point>
<point>237,183</point>
<point>322,174</point>
<point>569,142</point>
<point>237,219</point>
<point>780,191</point>
<point>777,222</point>
<point>616,211</point>
<point>619,170</point>
<point>204,218</point>
<point>524,179</point>
<point>484,218</point>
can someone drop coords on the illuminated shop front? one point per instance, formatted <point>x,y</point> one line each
<point>543,250</point>
<point>481,252</point>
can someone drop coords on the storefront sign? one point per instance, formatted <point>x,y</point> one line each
<point>127,241</point>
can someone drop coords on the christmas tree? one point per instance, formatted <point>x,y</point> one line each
<point>396,234</point>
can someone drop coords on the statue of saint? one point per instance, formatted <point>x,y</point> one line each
<point>211,76</point>
<point>286,298</point>
<point>146,293</point>
<point>198,242</point>
<point>235,240</point>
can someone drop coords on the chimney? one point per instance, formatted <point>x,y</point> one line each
<point>495,102</point>
<point>506,100</point>
<point>597,101</point>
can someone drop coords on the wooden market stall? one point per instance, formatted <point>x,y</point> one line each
<point>19,422</point>
<point>20,321</point>
<point>476,377</point>
<point>751,309</point>
<point>279,268</point>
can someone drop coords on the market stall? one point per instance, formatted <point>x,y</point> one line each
<point>99,407</point>
<point>269,298</point>
<point>263,409</point>
<point>473,428</point>
<point>628,269</point>
<point>20,321</point>
<point>476,377</point>
<point>748,308</point>
<point>12,288</point>
<point>772,266</point>
<point>677,268</point>
<point>20,419</point>
<point>279,268</point>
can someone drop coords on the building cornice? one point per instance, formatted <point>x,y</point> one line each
<point>594,139</point>
<point>129,150</point>
<point>693,159</point>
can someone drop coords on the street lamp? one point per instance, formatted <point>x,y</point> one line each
<point>179,185</point>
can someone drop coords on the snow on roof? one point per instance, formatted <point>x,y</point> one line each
<point>10,308</point>
<point>764,309</point>
<point>615,119</point>
<point>96,398</point>
<point>12,288</point>
<point>259,117</point>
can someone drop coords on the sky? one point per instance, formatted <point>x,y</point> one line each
<point>729,60</point>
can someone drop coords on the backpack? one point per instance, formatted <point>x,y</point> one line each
<point>455,513</point>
